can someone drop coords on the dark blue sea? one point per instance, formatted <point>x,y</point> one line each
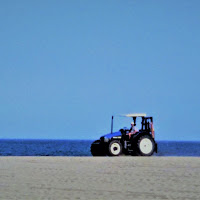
<point>82,148</point>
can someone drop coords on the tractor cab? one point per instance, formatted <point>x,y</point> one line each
<point>146,124</point>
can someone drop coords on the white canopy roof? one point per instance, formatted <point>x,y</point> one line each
<point>135,115</point>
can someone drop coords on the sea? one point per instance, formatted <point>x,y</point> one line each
<point>16,147</point>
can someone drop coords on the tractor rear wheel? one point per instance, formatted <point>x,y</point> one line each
<point>114,148</point>
<point>145,146</point>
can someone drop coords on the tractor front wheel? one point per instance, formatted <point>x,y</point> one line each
<point>114,148</point>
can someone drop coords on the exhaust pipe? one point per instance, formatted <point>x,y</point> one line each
<point>112,125</point>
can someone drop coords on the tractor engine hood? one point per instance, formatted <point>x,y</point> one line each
<point>110,135</point>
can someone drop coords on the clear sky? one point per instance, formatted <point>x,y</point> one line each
<point>67,66</point>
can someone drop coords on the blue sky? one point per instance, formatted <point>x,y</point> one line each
<point>67,66</point>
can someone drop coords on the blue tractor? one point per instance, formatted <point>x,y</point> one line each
<point>141,143</point>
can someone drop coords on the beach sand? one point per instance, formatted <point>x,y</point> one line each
<point>99,178</point>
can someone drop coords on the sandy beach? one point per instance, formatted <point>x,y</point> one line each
<point>99,178</point>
